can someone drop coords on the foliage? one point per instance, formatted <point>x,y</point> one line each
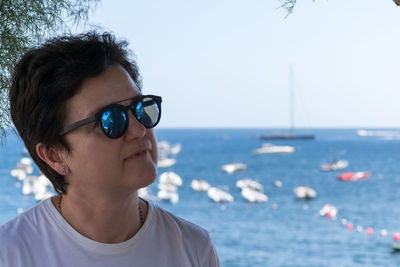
<point>25,23</point>
<point>289,6</point>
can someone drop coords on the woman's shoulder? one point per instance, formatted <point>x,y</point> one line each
<point>194,240</point>
<point>22,223</point>
<point>179,225</point>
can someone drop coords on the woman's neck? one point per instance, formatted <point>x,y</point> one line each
<point>104,218</point>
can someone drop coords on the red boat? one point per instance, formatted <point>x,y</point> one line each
<point>353,176</point>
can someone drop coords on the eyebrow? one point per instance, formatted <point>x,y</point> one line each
<point>98,109</point>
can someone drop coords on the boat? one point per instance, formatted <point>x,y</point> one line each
<point>175,149</point>
<point>145,193</point>
<point>291,135</point>
<point>278,183</point>
<point>25,164</point>
<point>218,195</point>
<point>170,178</point>
<point>385,134</point>
<point>353,176</point>
<point>165,149</point>
<point>170,196</point>
<point>33,185</point>
<point>305,192</point>
<point>165,162</point>
<point>249,183</point>
<point>234,167</point>
<point>395,246</point>
<point>273,149</point>
<point>43,195</point>
<point>200,185</point>
<point>334,165</point>
<point>329,211</point>
<point>18,173</point>
<point>168,186</point>
<point>252,195</point>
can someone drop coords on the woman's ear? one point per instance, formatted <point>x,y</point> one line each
<point>52,157</point>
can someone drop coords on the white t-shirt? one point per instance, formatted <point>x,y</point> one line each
<point>41,237</point>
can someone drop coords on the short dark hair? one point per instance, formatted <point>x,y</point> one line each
<point>47,76</point>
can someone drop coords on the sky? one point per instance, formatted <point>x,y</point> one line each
<point>225,63</point>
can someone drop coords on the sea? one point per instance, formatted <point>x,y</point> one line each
<point>284,231</point>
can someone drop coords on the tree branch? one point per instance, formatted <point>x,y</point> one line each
<point>1,5</point>
<point>397,2</point>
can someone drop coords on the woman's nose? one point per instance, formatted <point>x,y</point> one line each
<point>135,129</point>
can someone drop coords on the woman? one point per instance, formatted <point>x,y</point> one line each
<point>76,102</point>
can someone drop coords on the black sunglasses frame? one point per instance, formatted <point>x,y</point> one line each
<point>125,109</point>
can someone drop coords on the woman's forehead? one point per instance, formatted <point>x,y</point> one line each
<point>112,86</point>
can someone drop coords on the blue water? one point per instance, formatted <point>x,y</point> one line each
<point>294,234</point>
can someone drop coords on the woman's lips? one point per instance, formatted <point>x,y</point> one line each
<point>138,155</point>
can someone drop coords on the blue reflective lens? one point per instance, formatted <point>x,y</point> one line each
<point>139,110</point>
<point>114,122</point>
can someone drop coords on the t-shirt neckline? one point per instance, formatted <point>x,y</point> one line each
<point>92,245</point>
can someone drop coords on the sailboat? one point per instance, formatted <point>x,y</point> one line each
<point>291,135</point>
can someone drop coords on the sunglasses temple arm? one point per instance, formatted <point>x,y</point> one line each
<point>77,124</point>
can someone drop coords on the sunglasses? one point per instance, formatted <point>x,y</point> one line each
<point>114,118</point>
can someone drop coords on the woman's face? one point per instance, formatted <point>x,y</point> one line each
<point>96,161</point>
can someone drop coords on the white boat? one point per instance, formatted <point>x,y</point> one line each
<point>278,183</point>
<point>32,186</point>
<point>170,178</point>
<point>218,195</point>
<point>252,195</point>
<point>170,196</point>
<point>200,185</point>
<point>163,146</point>
<point>167,187</point>
<point>249,183</point>
<point>386,134</point>
<point>273,149</point>
<point>19,174</point>
<point>165,149</point>
<point>25,164</point>
<point>305,192</point>
<point>166,162</point>
<point>234,167</point>
<point>42,196</point>
<point>145,193</point>
<point>175,149</point>
<point>334,165</point>
<point>328,210</point>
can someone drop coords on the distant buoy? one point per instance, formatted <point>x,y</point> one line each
<point>370,231</point>
<point>349,226</point>
<point>274,206</point>
<point>343,221</point>
<point>396,236</point>
<point>360,228</point>
<point>383,232</point>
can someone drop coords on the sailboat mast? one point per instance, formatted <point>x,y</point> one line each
<point>291,91</point>
<point>291,135</point>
